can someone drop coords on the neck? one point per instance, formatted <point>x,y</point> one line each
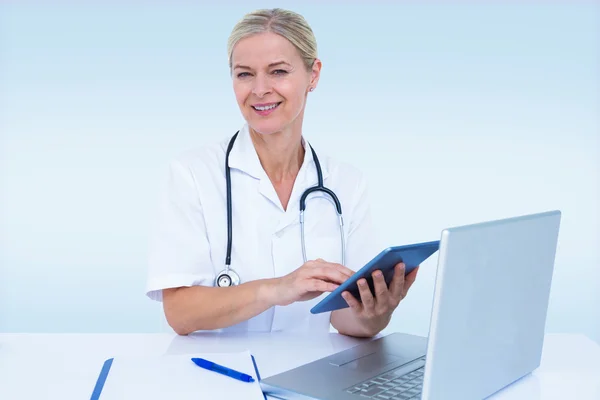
<point>281,154</point>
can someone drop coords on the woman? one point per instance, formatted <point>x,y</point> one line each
<point>274,66</point>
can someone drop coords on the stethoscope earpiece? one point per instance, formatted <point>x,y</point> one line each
<point>229,277</point>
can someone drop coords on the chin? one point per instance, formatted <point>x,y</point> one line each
<point>266,126</point>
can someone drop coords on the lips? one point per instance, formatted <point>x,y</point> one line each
<point>265,109</point>
<point>266,106</point>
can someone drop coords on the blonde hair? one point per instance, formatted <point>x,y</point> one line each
<point>288,24</point>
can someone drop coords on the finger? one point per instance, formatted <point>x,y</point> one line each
<point>381,290</point>
<point>343,269</point>
<point>329,274</point>
<point>366,297</point>
<point>397,284</point>
<point>317,285</point>
<point>410,279</point>
<point>352,302</point>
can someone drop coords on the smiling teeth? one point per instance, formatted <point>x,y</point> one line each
<point>266,107</point>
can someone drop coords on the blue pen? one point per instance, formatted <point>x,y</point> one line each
<point>202,363</point>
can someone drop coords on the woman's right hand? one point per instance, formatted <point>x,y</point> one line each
<point>309,281</point>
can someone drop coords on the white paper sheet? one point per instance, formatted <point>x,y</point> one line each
<point>177,377</point>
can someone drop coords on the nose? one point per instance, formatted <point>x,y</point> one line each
<point>261,86</point>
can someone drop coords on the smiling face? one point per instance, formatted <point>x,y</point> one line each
<point>270,81</point>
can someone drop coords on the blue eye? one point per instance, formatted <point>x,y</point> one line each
<point>242,74</point>
<point>279,72</point>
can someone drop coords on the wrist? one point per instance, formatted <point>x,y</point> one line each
<point>267,292</point>
<point>365,329</point>
<point>348,323</point>
<point>376,325</point>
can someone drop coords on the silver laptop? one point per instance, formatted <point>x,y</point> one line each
<point>487,324</point>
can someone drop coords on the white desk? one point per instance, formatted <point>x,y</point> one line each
<point>65,366</point>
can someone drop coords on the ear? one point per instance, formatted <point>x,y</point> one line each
<point>315,73</point>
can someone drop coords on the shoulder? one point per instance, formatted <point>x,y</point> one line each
<point>191,172</point>
<point>347,181</point>
<point>344,173</point>
<point>201,160</point>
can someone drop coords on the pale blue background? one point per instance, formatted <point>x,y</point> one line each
<point>457,113</point>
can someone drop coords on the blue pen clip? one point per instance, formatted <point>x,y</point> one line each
<point>211,366</point>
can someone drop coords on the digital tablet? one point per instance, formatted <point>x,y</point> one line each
<point>412,255</point>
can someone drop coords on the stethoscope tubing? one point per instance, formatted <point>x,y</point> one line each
<point>228,276</point>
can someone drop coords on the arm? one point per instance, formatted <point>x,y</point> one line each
<point>189,309</point>
<point>181,272</point>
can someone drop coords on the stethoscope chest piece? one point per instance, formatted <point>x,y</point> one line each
<point>226,278</point>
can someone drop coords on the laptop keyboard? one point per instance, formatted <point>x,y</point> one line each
<point>391,386</point>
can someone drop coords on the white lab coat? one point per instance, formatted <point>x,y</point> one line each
<point>189,242</point>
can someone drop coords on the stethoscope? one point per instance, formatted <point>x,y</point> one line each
<point>228,277</point>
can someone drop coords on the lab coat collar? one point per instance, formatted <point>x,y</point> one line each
<point>244,157</point>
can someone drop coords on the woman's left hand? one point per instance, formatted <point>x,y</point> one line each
<point>374,310</point>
